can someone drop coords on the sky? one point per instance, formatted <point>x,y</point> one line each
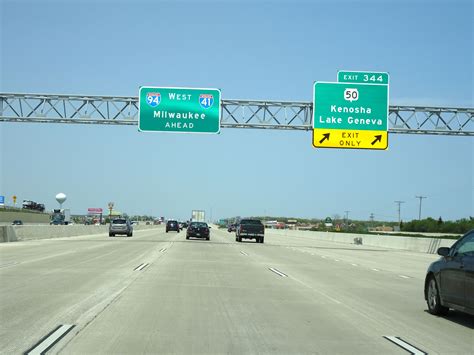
<point>265,50</point>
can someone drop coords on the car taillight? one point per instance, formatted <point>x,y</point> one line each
<point>241,228</point>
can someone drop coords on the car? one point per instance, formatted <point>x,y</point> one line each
<point>120,226</point>
<point>231,228</point>
<point>172,225</point>
<point>449,281</point>
<point>198,230</point>
<point>17,222</point>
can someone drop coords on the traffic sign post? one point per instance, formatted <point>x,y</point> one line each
<point>182,110</point>
<point>350,115</point>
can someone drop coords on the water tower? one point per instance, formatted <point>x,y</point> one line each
<point>61,198</point>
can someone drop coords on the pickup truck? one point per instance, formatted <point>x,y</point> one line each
<point>250,229</point>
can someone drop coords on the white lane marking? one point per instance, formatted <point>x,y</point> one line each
<point>337,260</point>
<point>11,263</point>
<point>142,267</point>
<point>277,272</point>
<point>243,253</point>
<point>404,277</point>
<point>316,290</point>
<point>138,267</point>
<point>376,269</point>
<point>162,250</point>
<point>324,257</point>
<point>404,345</point>
<point>50,340</point>
<point>354,265</point>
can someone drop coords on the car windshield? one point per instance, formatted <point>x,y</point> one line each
<point>250,221</point>
<point>315,155</point>
<point>198,225</point>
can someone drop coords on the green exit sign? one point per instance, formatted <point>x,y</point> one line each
<point>183,110</point>
<point>363,77</point>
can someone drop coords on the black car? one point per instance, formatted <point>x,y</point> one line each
<point>198,230</point>
<point>17,222</point>
<point>231,228</point>
<point>172,226</point>
<point>449,281</point>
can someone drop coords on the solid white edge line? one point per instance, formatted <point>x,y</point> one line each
<point>403,276</point>
<point>376,269</point>
<point>354,265</point>
<point>403,344</point>
<point>277,272</point>
<point>50,340</point>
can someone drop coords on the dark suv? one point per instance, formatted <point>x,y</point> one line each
<point>172,226</point>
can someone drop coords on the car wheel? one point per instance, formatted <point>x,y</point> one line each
<point>110,235</point>
<point>239,239</point>
<point>166,231</point>
<point>261,240</point>
<point>187,237</point>
<point>433,299</point>
<point>208,238</point>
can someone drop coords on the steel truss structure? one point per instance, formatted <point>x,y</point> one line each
<point>235,113</point>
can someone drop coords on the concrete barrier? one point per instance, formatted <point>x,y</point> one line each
<point>424,245</point>
<point>7,234</point>
<point>34,232</point>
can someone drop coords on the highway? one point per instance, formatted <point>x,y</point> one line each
<point>157,293</point>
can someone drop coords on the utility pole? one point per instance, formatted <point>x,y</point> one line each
<point>399,204</point>
<point>419,213</point>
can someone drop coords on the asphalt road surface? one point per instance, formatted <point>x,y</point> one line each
<point>157,293</point>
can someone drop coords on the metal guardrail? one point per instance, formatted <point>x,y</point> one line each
<point>116,110</point>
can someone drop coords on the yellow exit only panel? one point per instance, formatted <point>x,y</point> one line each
<point>350,139</point>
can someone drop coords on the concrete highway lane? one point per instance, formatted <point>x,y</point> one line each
<point>159,293</point>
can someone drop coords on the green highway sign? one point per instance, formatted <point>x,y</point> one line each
<point>350,115</point>
<point>184,110</point>
<point>363,77</point>
<point>350,106</point>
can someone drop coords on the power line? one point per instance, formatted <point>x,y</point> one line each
<point>399,208</point>
<point>419,212</point>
